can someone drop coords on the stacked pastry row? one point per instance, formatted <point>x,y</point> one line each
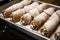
<point>7,12</point>
<point>40,16</point>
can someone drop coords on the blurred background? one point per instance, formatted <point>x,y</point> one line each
<point>56,2</point>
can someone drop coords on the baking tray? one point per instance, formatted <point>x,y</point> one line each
<point>18,26</point>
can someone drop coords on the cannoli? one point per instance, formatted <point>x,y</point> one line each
<point>51,24</point>
<point>33,5</point>
<point>41,18</point>
<point>17,14</point>
<point>14,7</point>
<point>26,2</point>
<point>33,13</point>
<point>42,7</point>
<point>28,17</point>
<point>56,35</point>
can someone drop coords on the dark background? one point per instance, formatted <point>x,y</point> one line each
<point>56,2</point>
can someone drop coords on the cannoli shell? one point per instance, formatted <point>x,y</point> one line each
<point>40,19</point>
<point>16,15</point>
<point>29,7</point>
<point>26,18</point>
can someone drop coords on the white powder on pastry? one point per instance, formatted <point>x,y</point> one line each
<point>14,7</point>
<point>27,17</point>
<point>41,17</point>
<point>26,2</point>
<point>41,7</point>
<point>50,10</point>
<point>29,7</point>
<point>18,5</point>
<point>52,22</point>
<point>34,12</point>
<point>20,11</point>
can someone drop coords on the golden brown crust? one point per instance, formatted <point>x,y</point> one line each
<point>25,20</point>
<point>15,7</point>
<point>16,18</point>
<point>38,23</point>
<point>6,14</point>
<point>42,29</point>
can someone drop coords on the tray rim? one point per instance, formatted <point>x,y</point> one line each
<point>25,29</point>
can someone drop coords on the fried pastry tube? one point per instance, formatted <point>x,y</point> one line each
<point>33,5</point>
<point>14,7</point>
<point>51,24</point>
<point>16,15</point>
<point>41,18</point>
<point>42,7</point>
<point>26,19</point>
<point>26,2</point>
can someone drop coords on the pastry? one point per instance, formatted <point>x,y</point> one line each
<point>33,5</point>
<point>42,18</point>
<point>27,18</point>
<point>14,7</point>
<point>33,13</point>
<point>51,24</point>
<point>18,13</point>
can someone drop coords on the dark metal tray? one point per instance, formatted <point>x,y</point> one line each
<point>29,32</point>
